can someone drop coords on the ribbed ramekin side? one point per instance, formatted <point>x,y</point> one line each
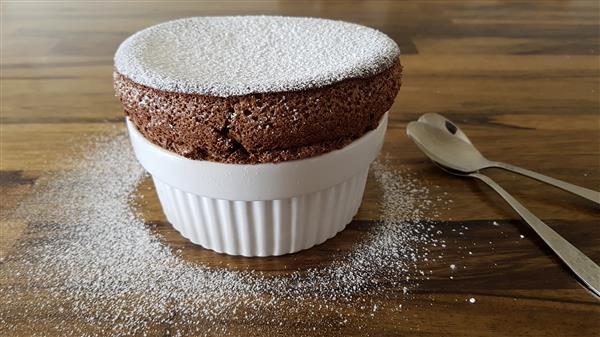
<point>186,221</point>
<point>342,211</point>
<point>199,236</point>
<point>282,225</point>
<point>358,192</point>
<point>244,228</point>
<point>262,228</point>
<point>299,226</point>
<point>159,187</point>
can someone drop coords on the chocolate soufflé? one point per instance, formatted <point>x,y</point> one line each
<point>256,89</point>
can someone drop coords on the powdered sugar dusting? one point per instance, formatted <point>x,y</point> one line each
<point>92,267</point>
<point>238,55</point>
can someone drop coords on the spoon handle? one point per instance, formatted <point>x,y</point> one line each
<point>577,190</point>
<point>579,263</point>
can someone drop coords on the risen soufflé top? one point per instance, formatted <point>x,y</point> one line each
<point>256,89</point>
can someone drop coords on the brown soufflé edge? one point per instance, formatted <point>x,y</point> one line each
<point>260,127</point>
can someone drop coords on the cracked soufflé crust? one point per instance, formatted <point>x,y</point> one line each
<point>260,127</point>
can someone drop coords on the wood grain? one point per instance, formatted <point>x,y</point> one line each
<point>522,78</point>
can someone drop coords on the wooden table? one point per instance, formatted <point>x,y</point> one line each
<point>522,78</point>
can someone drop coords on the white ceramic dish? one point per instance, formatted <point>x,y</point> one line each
<point>262,209</point>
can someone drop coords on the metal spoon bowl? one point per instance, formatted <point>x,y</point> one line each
<point>477,161</point>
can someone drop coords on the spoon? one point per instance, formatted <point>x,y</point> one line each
<point>456,157</point>
<point>478,162</point>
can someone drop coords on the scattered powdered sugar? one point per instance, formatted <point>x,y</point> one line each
<point>238,55</point>
<point>87,265</point>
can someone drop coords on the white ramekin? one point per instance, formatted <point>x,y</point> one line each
<point>263,209</point>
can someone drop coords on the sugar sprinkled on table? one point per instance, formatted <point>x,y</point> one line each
<point>92,256</point>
